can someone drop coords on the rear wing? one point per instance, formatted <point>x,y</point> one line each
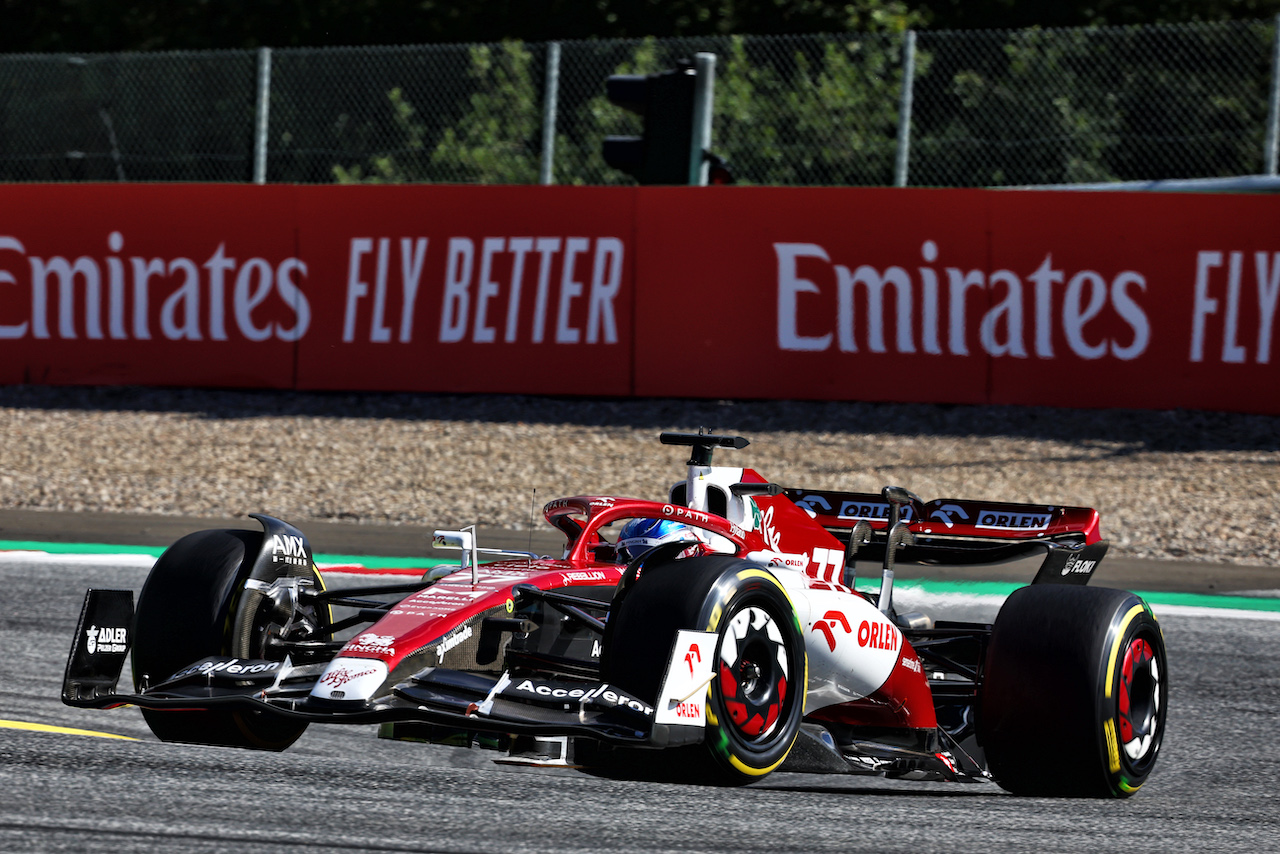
<point>949,531</point>
<point>898,526</point>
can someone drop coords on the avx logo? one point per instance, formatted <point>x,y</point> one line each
<point>287,548</point>
<point>827,626</point>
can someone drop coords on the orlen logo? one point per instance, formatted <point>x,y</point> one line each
<point>1005,520</point>
<point>827,626</point>
<point>877,635</point>
<point>689,709</point>
<point>872,512</point>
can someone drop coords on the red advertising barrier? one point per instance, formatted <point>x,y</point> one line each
<point>149,284</point>
<point>468,289</point>
<point>967,296</point>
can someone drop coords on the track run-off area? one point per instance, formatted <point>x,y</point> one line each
<point>82,780</point>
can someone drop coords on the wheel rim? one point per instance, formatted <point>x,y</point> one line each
<point>1138,712</point>
<point>754,674</point>
<point>261,625</point>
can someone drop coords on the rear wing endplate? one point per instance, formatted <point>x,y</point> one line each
<point>1070,563</point>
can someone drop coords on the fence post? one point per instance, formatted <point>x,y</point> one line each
<point>904,109</point>
<point>261,117</point>
<point>704,98</point>
<point>550,106</point>
<point>1273,110</point>
<point>115,144</point>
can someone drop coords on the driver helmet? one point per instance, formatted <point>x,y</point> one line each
<point>639,535</point>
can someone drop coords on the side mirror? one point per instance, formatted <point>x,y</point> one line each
<point>464,540</point>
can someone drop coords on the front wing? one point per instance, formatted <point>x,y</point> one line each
<point>504,703</point>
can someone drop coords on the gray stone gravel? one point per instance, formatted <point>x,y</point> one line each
<point>1170,485</point>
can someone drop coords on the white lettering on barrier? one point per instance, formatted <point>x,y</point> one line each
<point>113,297</point>
<point>1002,329</point>
<point>790,286</point>
<point>11,330</point>
<point>81,283</point>
<point>453,315</point>
<point>1266,280</point>
<point>570,288</point>
<point>472,303</point>
<point>413,253</point>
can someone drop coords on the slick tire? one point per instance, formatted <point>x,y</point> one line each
<point>755,700</point>
<point>194,605</point>
<point>1075,693</point>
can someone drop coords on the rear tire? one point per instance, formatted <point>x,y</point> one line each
<point>755,701</point>
<point>1075,693</point>
<point>187,611</point>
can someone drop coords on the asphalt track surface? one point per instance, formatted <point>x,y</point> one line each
<point>343,789</point>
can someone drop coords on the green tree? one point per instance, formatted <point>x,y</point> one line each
<point>1088,105</point>
<point>387,167</point>
<point>495,141</point>
<point>1025,112</point>
<point>498,141</point>
<point>826,115</point>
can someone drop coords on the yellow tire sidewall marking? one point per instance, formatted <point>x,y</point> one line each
<point>713,624</point>
<point>1115,646</point>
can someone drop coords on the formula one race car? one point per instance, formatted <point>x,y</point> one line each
<point>714,636</point>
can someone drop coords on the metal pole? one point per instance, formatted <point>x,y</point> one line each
<point>1273,110</point>
<point>115,145</point>
<point>550,106</point>
<point>904,110</point>
<point>261,120</point>
<point>704,97</point>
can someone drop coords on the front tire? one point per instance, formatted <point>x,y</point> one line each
<point>192,606</point>
<point>1075,693</point>
<point>755,700</point>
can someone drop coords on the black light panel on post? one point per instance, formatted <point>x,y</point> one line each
<point>665,102</point>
